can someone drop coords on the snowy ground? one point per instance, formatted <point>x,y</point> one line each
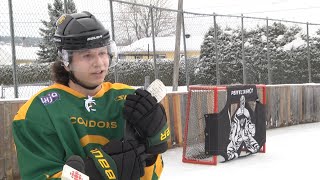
<point>291,153</point>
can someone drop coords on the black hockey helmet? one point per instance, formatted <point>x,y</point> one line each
<point>80,31</point>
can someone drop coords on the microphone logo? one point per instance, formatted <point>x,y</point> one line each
<point>76,175</point>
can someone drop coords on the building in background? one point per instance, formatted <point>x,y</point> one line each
<point>24,55</point>
<point>165,46</point>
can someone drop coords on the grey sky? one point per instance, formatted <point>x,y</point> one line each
<point>27,14</point>
<point>296,10</point>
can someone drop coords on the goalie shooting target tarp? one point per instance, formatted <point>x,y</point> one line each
<point>228,133</point>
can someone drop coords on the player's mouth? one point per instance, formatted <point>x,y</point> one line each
<point>98,72</point>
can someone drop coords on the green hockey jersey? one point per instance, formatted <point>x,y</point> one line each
<point>59,122</point>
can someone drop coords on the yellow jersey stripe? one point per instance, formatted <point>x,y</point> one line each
<point>57,175</point>
<point>155,168</point>
<point>67,89</point>
<point>97,139</point>
<point>21,115</point>
<point>107,86</point>
<point>159,166</point>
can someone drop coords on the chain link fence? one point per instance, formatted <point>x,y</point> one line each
<point>214,49</point>
<point>5,53</point>
<point>20,23</point>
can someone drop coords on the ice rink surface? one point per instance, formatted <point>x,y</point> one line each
<point>291,153</point>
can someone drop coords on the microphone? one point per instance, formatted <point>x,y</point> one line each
<point>74,169</point>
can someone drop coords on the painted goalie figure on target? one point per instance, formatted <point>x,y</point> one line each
<point>242,131</point>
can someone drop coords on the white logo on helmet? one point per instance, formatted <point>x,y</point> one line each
<point>56,39</point>
<point>94,38</point>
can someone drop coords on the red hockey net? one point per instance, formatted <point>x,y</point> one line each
<point>206,100</point>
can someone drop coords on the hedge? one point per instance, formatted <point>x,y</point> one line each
<point>129,72</point>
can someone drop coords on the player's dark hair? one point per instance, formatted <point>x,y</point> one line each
<point>59,73</point>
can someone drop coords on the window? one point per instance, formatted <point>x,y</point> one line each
<point>138,57</point>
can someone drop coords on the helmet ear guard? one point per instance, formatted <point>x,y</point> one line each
<point>65,57</point>
<point>113,53</point>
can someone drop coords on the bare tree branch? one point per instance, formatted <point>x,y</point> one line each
<point>133,22</point>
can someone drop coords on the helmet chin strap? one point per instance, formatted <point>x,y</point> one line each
<point>76,81</point>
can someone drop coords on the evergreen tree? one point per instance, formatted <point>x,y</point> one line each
<point>314,44</point>
<point>287,66</point>
<point>229,56</point>
<point>230,49</point>
<point>48,50</point>
<point>205,67</point>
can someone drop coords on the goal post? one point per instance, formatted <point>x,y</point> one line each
<point>224,121</point>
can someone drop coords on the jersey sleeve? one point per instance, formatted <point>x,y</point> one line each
<point>40,153</point>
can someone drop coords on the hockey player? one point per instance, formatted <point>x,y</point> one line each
<point>83,115</point>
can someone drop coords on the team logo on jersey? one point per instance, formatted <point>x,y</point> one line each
<point>121,98</point>
<point>89,103</point>
<point>50,98</point>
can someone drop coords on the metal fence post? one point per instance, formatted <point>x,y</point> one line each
<point>13,49</point>
<point>112,20</point>
<point>176,61</point>
<point>65,6</point>
<point>244,66</point>
<point>154,45</point>
<point>268,55</point>
<point>146,82</point>
<point>185,50</point>
<point>1,91</point>
<point>216,48</point>
<point>116,79</point>
<point>309,57</point>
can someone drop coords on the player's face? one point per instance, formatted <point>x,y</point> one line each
<point>90,66</point>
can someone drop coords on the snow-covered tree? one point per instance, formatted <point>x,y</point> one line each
<point>229,56</point>
<point>205,70</point>
<point>48,50</point>
<point>314,44</point>
<point>287,65</point>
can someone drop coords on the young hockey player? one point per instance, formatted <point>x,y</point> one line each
<point>83,115</point>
